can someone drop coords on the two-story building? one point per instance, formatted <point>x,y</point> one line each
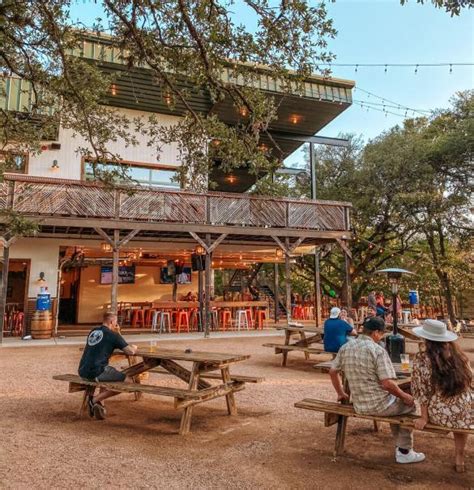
<point>97,247</point>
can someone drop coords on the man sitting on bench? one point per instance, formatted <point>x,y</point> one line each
<point>94,365</point>
<point>370,374</point>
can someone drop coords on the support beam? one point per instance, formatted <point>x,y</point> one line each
<point>348,262</point>
<point>3,295</point>
<point>287,280</point>
<point>6,243</point>
<point>116,243</point>
<point>317,290</point>
<point>115,273</point>
<point>207,287</point>
<point>204,245</point>
<point>276,286</point>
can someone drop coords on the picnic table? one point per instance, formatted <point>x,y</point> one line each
<point>204,366</point>
<point>305,343</point>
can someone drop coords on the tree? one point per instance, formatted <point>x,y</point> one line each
<point>453,7</point>
<point>192,39</point>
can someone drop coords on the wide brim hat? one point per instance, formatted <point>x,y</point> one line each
<point>435,331</point>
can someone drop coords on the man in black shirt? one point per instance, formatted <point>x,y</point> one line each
<point>94,365</point>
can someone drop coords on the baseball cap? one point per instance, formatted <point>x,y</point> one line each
<point>335,312</point>
<point>375,323</point>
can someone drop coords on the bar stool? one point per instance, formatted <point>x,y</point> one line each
<point>165,315</point>
<point>261,318</point>
<point>226,319</point>
<point>195,318</point>
<point>250,318</point>
<point>241,319</point>
<point>149,312</point>
<point>183,320</point>
<point>214,319</point>
<point>19,323</point>
<point>156,317</point>
<point>138,317</point>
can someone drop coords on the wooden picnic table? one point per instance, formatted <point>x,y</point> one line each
<point>304,344</point>
<point>198,389</point>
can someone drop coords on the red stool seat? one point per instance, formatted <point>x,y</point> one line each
<point>138,317</point>
<point>183,320</point>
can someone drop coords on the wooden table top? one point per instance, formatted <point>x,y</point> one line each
<point>297,328</point>
<point>194,356</point>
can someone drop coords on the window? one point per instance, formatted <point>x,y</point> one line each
<point>14,162</point>
<point>141,174</point>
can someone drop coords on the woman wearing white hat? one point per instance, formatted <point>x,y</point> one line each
<point>442,384</point>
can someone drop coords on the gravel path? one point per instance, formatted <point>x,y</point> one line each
<point>268,445</point>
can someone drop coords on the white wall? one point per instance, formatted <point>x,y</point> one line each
<point>44,254</point>
<point>70,161</point>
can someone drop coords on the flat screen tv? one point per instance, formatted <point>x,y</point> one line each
<point>183,278</point>
<point>126,274</point>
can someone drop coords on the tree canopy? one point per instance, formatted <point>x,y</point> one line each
<point>194,39</point>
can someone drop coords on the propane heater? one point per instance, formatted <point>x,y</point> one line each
<point>395,343</point>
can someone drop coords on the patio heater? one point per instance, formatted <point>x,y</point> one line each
<point>395,343</point>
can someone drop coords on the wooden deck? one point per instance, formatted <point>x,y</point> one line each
<point>79,203</point>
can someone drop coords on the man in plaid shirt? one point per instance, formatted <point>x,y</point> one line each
<point>370,375</point>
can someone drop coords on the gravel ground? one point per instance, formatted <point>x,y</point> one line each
<point>270,444</point>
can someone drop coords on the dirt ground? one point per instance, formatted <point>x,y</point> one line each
<point>270,444</point>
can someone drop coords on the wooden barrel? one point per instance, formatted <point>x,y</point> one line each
<point>41,325</point>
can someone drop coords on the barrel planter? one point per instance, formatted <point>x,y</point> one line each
<point>41,324</point>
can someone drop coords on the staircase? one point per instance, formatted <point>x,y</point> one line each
<point>267,293</point>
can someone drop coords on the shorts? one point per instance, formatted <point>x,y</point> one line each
<point>111,374</point>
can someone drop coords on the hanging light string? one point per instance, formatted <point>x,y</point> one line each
<point>386,66</point>
<point>380,249</point>
<point>388,102</point>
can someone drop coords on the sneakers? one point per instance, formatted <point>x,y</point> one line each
<point>99,411</point>
<point>411,457</point>
<point>96,410</point>
<point>90,406</point>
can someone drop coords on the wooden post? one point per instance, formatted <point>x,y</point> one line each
<point>287,279</point>
<point>317,290</point>
<point>3,295</point>
<point>276,285</point>
<point>200,298</point>
<point>115,273</point>
<point>207,288</point>
<point>348,262</point>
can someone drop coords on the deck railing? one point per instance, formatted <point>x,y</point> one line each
<point>34,196</point>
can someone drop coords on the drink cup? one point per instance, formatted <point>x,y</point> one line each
<point>405,358</point>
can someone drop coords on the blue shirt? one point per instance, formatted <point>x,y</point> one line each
<point>335,334</point>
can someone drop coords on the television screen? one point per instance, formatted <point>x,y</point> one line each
<point>126,274</point>
<point>183,278</point>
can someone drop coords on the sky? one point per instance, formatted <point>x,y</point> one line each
<point>383,31</point>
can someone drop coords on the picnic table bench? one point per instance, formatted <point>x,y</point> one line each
<point>198,390</point>
<point>338,413</point>
<point>304,344</point>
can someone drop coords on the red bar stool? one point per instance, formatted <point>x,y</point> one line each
<point>226,319</point>
<point>183,320</point>
<point>149,316</point>
<point>138,317</point>
<point>250,318</point>
<point>261,318</point>
<point>18,323</point>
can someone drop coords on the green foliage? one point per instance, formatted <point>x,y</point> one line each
<point>453,7</point>
<point>194,39</point>
<point>411,190</point>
